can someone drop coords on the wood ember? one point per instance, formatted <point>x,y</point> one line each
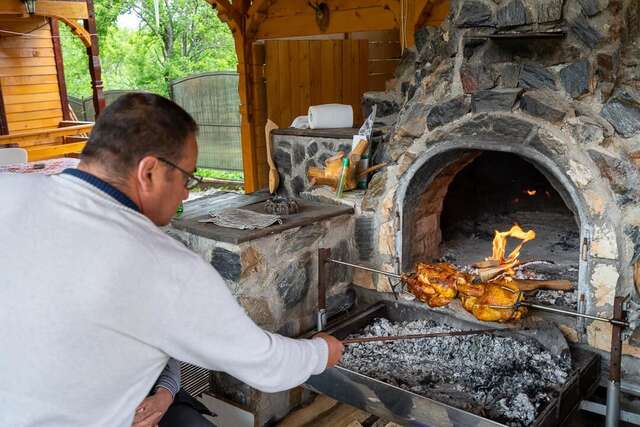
<point>507,379</point>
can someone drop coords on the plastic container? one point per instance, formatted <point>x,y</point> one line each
<point>343,177</point>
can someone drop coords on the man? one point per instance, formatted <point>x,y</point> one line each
<point>95,298</point>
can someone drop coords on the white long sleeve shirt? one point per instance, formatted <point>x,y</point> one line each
<point>94,299</point>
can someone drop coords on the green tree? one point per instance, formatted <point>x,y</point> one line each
<point>176,38</point>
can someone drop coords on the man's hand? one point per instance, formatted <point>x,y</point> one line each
<point>151,410</point>
<point>335,349</point>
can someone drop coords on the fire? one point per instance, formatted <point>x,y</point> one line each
<point>500,244</point>
<point>531,192</point>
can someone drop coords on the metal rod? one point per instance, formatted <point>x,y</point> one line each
<point>573,313</point>
<point>323,257</point>
<point>386,273</point>
<point>418,336</point>
<point>615,362</point>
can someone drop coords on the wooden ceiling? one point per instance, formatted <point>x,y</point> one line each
<point>270,19</point>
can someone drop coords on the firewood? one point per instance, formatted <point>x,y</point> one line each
<point>330,174</point>
<point>489,273</point>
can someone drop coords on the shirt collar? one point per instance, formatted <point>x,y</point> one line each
<point>103,186</point>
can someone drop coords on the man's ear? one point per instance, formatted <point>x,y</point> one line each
<point>147,172</point>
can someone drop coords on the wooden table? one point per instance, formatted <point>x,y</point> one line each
<point>48,167</point>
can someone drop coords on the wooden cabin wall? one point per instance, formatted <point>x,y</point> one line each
<point>28,77</point>
<point>301,73</point>
<point>384,56</point>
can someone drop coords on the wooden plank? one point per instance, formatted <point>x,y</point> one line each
<point>25,42</point>
<point>28,80</point>
<point>33,137</point>
<point>24,99</point>
<point>383,66</point>
<point>33,115</point>
<point>294,82</point>
<point>27,52</point>
<point>27,62</point>
<point>301,417</point>
<point>21,126</point>
<point>284,99</point>
<point>377,82</point>
<point>271,75</point>
<point>30,89</point>
<point>4,127</point>
<point>305,75</point>
<point>30,71</point>
<point>377,36</point>
<point>49,151</point>
<point>384,50</point>
<point>336,70</point>
<point>59,8</point>
<point>315,65</point>
<point>327,83</point>
<point>363,76</point>
<point>32,106</point>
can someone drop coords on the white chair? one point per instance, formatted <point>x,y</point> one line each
<point>12,155</point>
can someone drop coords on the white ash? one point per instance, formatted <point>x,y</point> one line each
<point>506,379</point>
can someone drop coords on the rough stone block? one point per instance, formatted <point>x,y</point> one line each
<point>377,185</point>
<point>475,77</point>
<point>507,74</point>
<point>535,76</point>
<point>604,280</point>
<point>549,10</point>
<point>623,111</point>
<point>227,263</point>
<point>604,243</point>
<point>608,64</point>
<point>364,236</point>
<point>543,104</point>
<point>494,100</point>
<point>585,130</point>
<point>474,13</point>
<point>576,78</point>
<point>622,175</point>
<point>585,32</point>
<point>259,311</point>
<point>413,121</point>
<point>580,174</point>
<point>512,14</point>
<point>447,112</point>
<point>593,7</point>
<point>293,283</point>
<point>298,154</point>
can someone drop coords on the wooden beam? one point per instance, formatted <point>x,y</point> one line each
<point>62,85</point>
<point>48,151</point>
<point>32,137</point>
<point>79,31</point>
<point>48,8</point>
<point>95,70</point>
<point>228,13</point>
<point>362,15</point>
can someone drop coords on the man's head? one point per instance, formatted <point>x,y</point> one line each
<point>140,143</point>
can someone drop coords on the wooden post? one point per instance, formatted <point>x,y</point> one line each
<point>93,53</point>
<point>247,134</point>
<point>57,54</point>
<point>4,126</point>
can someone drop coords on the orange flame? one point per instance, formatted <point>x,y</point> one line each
<point>500,244</point>
<point>531,192</point>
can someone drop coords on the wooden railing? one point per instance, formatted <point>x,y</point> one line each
<point>68,138</point>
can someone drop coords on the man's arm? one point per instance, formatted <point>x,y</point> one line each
<point>169,378</point>
<point>205,326</point>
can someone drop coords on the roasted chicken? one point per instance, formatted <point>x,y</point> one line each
<point>483,300</point>
<point>436,284</point>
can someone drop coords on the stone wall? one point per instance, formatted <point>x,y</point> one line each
<point>556,82</point>
<point>274,278</point>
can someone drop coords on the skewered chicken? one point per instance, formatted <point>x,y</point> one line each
<point>484,300</point>
<point>436,284</point>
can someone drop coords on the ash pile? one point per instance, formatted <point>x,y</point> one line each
<point>506,379</point>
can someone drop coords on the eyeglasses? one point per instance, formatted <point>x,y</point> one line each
<point>191,182</point>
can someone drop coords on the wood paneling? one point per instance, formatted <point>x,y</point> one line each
<point>301,73</point>
<point>28,77</point>
<point>59,8</point>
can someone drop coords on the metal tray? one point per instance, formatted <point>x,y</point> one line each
<point>407,408</point>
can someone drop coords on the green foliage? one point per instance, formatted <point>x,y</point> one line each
<point>220,174</point>
<point>182,38</point>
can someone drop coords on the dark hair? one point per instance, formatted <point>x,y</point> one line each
<point>138,125</point>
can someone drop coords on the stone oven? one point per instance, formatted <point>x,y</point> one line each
<point>515,112</point>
